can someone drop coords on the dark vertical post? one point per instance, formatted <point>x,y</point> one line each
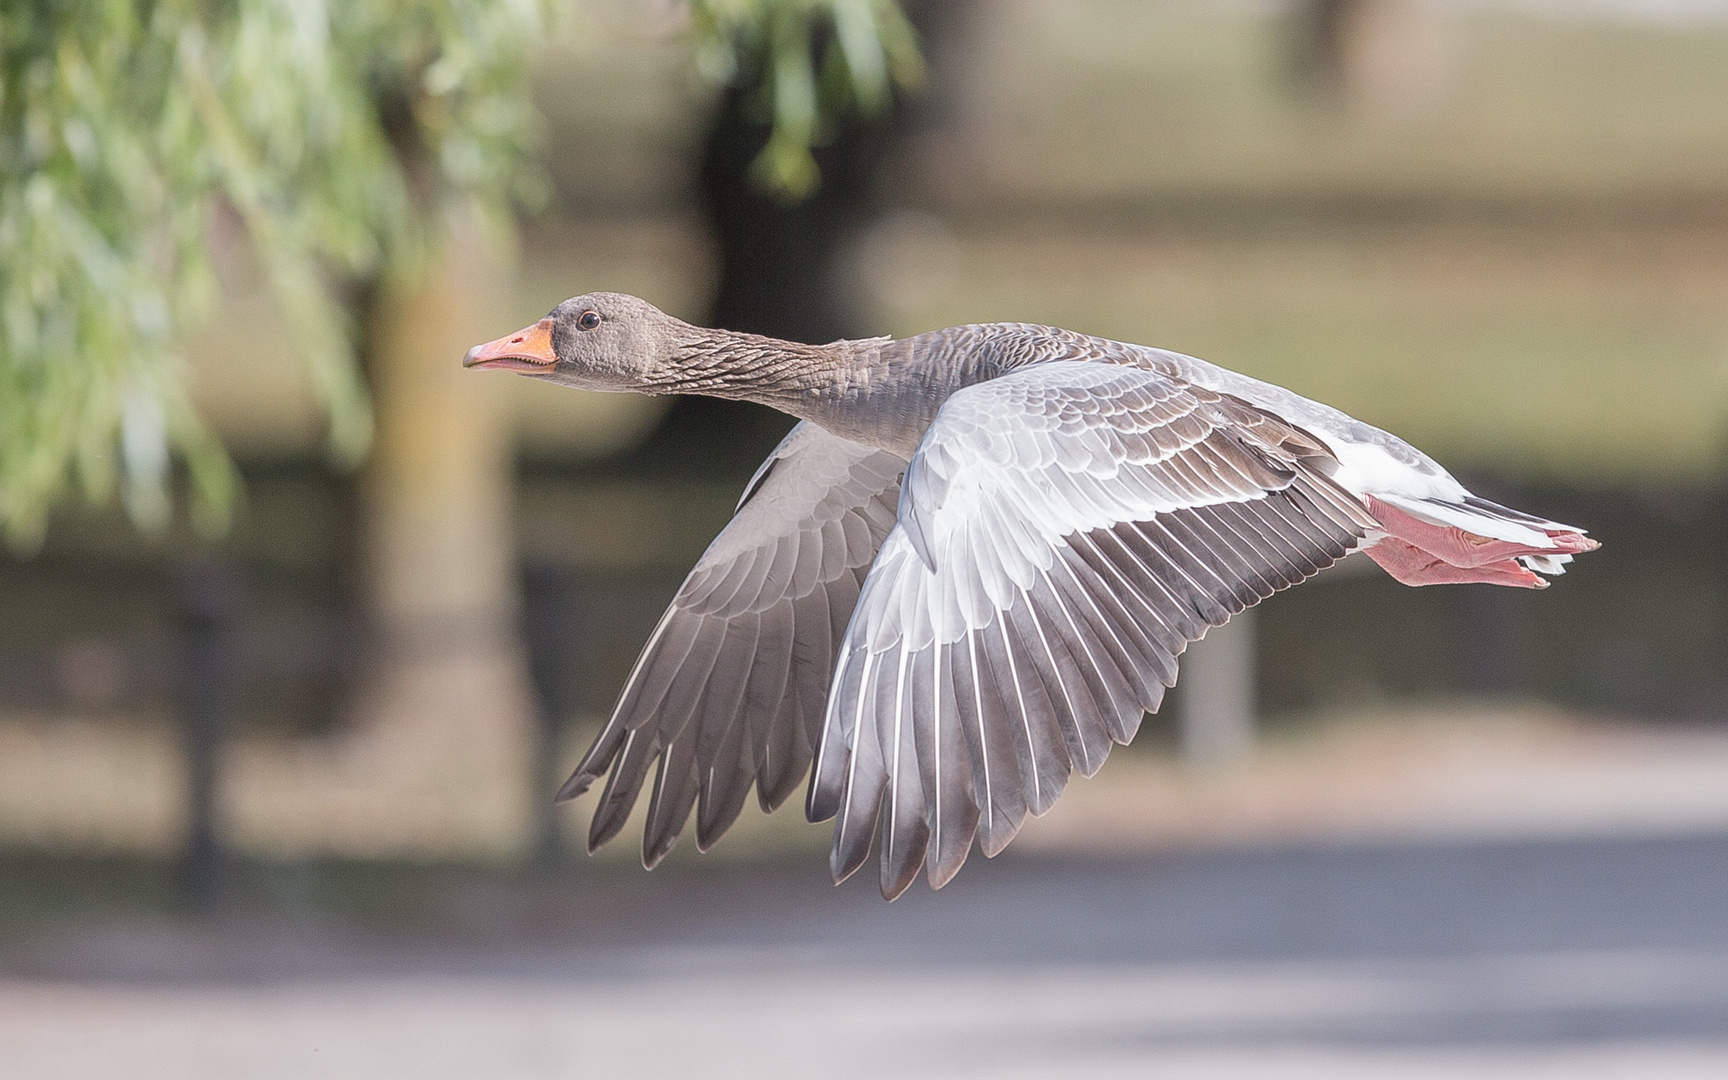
<point>547,623</point>
<point>1491,640</point>
<point>208,601</point>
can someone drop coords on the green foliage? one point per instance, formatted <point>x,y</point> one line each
<point>131,131</point>
<point>334,135</point>
<point>811,61</point>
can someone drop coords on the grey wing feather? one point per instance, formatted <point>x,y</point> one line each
<point>728,692</point>
<point>1066,530</point>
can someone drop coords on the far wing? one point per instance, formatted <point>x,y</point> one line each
<point>729,689</point>
<point>1064,532</point>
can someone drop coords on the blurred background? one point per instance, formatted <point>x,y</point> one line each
<point>1472,831</point>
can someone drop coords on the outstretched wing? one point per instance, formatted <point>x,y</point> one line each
<point>730,687</point>
<point>1064,532</point>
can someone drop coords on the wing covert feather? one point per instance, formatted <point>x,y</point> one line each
<point>1065,530</point>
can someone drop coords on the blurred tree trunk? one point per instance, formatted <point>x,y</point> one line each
<point>781,267</point>
<point>445,707</point>
<point>1384,57</point>
<point>782,262</point>
<point>779,259</point>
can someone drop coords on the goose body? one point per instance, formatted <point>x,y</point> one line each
<point>973,565</point>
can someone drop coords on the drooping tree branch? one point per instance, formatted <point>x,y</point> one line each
<point>339,134</point>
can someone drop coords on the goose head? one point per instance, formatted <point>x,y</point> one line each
<point>597,341</point>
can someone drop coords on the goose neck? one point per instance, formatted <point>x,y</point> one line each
<point>855,389</point>
<point>729,364</point>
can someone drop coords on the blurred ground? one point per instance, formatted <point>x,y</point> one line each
<point>1458,893</point>
<point>1458,772</point>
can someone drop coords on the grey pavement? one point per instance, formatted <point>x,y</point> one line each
<point>1577,958</point>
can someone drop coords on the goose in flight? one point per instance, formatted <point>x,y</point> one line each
<point>972,566</point>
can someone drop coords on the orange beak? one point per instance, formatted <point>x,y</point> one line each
<point>528,349</point>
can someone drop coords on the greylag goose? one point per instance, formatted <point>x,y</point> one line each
<point>973,564</point>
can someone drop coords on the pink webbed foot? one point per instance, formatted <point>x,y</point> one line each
<point>1467,550</point>
<point>1413,566</point>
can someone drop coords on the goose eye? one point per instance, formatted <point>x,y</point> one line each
<point>588,320</point>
